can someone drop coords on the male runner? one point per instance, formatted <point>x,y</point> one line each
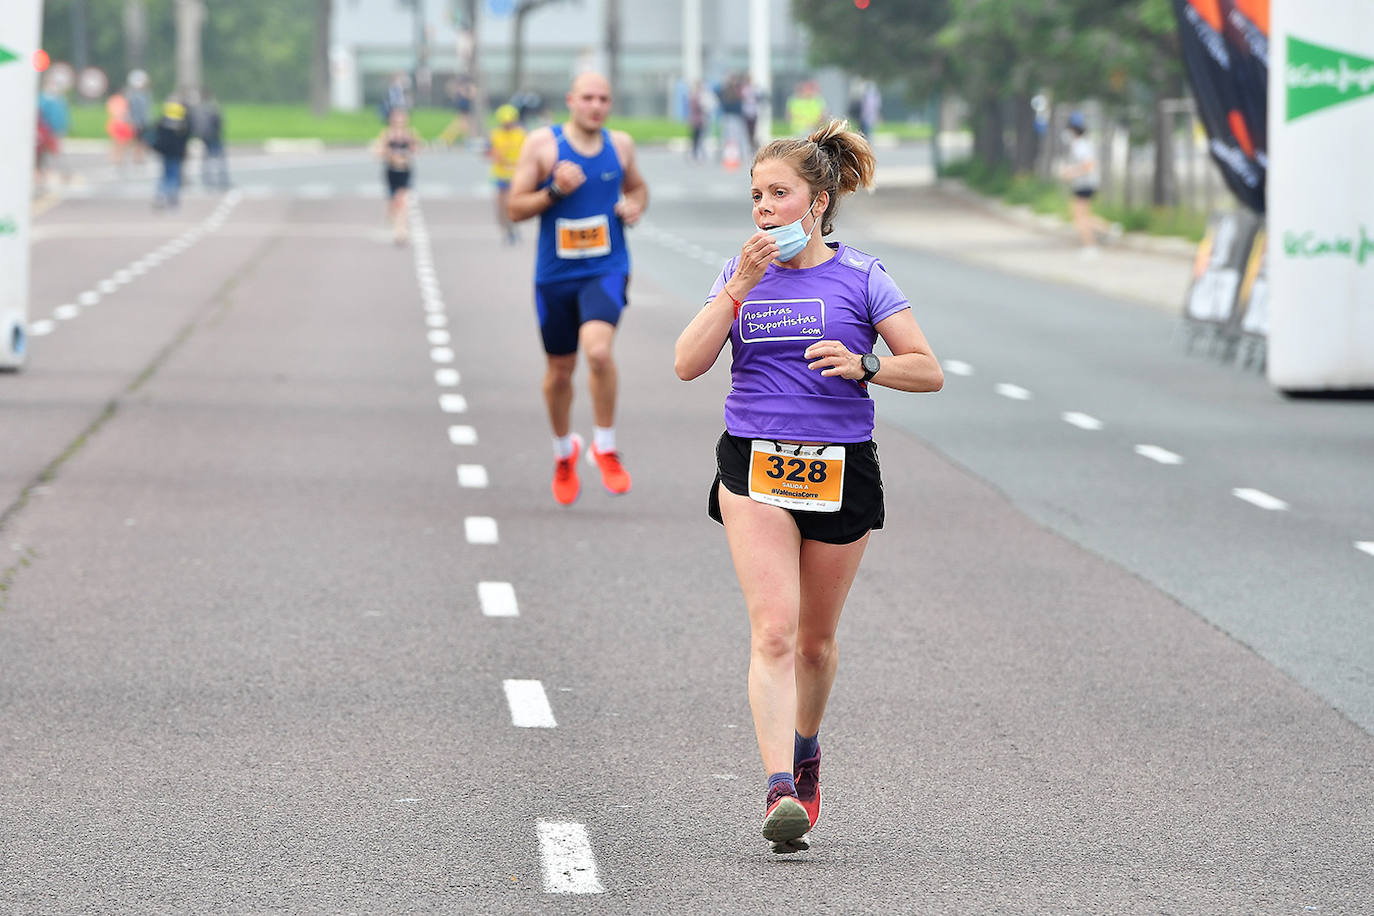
<point>582,181</point>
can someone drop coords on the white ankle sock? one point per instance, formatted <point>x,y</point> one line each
<point>563,446</point>
<point>604,438</point>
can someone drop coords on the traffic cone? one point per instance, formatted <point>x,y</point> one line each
<point>729,156</point>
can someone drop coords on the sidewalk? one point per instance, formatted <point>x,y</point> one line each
<point>950,220</point>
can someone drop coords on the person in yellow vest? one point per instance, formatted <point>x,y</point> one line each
<point>503,149</point>
<point>805,109</point>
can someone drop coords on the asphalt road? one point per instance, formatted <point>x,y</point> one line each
<point>247,662</point>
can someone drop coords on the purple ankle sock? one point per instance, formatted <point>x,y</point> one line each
<point>784,780</point>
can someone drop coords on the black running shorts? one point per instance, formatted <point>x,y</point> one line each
<point>861,510</point>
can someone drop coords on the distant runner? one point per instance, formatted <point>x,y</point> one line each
<point>396,146</point>
<point>503,149</point>
<point>582,181</point>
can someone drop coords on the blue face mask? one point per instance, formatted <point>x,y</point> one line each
<point>792,238</point>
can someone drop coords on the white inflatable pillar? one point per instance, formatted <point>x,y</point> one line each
<point>1321,195</point>
<point>19,31</point>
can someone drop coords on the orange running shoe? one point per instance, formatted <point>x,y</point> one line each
<point>614,477</point>
<point>566,486</point>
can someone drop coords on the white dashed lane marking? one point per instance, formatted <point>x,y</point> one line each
<point>453,403</point>
<point>462,435</point>
<point>446,378</point>
<point>1081,420</point>
<point>125,275</point>
<point>1366,546</point>
<point>441,355</point>
<point>497,599</point>
<point>956,367</point>
<point>480,529</point>
<point>1260,498</point>
<point>472,475</point>
<point>1155,453</point>
<point>569,866</point>
<point>1015,392</point>
<point>529,705</point>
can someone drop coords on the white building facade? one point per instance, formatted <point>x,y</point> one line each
<point>373,40</point>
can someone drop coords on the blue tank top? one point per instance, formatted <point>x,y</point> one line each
<point>580,235</point>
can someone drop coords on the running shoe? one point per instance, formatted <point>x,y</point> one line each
<point>566,486</point>
<point>614,477</point>
<point>786,822</point>
<point>807,774</point>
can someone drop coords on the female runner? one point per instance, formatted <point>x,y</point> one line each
<point>396,146</point>
<point>797,481</point>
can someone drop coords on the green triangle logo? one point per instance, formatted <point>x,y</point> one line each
<point>1319,77</point>
<point>6,55</point>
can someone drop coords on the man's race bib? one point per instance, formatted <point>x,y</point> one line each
<point>589,237</point>
<point>806,477</point>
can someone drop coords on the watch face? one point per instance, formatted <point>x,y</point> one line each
<point>870,363</point>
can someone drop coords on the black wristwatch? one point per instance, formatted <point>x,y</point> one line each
<point>556,192</point>
<point>871,366</point>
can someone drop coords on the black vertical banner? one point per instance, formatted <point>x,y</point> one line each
<point>1226,51</point>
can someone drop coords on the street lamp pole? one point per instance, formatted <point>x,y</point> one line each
<point>190,15</point>
<point>761,67</point>
<point>691,42</point>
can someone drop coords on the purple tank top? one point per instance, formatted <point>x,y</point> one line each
<point>772,393</point>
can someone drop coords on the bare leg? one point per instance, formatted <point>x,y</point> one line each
<point>765,545</point>
<point>1083,220</point>
<point>398,214</point>
<point>594,340</point>
<point>558,392</point>
<point>827,571</point>
<point>502,219</point>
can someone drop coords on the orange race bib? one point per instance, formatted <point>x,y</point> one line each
<point>589,237</point>
<point>806,477</point>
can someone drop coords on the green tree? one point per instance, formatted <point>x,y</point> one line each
<point>998,54</point>
<point>887,42</point>
<point>253,50</point>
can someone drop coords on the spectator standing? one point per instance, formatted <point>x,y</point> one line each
<point>733,141</point>
<point>56,114</point>
<point>118,127</point>
<point>697,108</point>
<point>209,128</point>
<point>140,111</point>
<point>749,108</point>
<point>870,109</point>
<point>1081,174</point>
<point>396,98</point>
<point>531,106</point>
<point>805,109</point>
<point>170,137</point>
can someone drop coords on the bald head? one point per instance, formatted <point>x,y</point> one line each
<point>589,102</point>
<point>590,81</point>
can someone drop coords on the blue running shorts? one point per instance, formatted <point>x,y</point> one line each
<point>564,306</point>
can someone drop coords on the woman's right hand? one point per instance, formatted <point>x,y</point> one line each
<point>760,251</point>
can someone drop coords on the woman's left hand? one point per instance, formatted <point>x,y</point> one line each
<point>833,358</point>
